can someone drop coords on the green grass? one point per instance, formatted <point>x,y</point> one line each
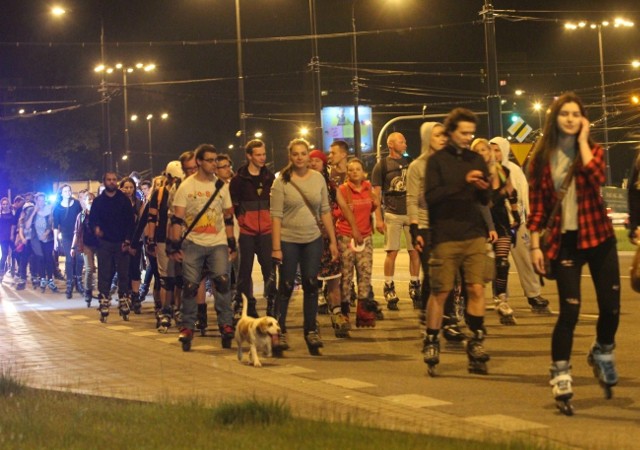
<point>10,382</point>
<point>35,419</point>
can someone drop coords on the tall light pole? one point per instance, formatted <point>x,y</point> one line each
<point>105,144</point>
<point>357,150</point>
<point>617,23</point>
<point>125,70</point>
<point>150,117</point>
<point>315,74</point>
<point>241,102</point>
<point>494,104</point>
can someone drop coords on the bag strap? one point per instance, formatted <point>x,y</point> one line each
<point>306,202</point>
<point>219,186</point>
<point>562,192</point>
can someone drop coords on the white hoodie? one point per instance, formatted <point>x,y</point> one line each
<point>516,175</point>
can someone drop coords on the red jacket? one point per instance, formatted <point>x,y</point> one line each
<point>250,196</point>
<point>594,227</point>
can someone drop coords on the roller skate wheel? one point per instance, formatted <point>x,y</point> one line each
<point>608,392</point>
<point>203,332</point>
<point>163,330</point>
<point>479,368</point>
<point>431,370</point>
<point>186,345</point>
<point>103,319</point>
<point>226,343</point>
<point>565,407</point>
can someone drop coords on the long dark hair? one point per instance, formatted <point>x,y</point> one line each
<point>286,172</point>
<point>549,140</point>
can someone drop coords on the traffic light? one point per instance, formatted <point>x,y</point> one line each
<point>515,117</point>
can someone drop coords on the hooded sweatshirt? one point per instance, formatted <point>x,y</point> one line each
<point>517,177</point>
<point>416,203</point>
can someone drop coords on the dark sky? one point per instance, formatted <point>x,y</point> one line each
<point>425,52</point>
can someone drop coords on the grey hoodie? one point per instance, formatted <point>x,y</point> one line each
<point>416,203</point>
<point>516,175</point>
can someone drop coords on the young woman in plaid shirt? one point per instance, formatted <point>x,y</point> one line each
<point>581,234</point>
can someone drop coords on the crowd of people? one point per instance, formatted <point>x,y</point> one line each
<point>463,206</point>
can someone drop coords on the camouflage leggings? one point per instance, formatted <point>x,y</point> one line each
<point>361,261</point>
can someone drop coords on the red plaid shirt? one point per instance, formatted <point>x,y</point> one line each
<point>594,227</point>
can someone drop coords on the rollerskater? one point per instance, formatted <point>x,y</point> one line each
<point>431,353</point>
<point>340,323</point>
<point>504,310</point>
<point>476,354</point>
<point>103,308</point>
<point>21,284</point>
<point>68,292</point>
<point>365,313</point>
<point>227,333</point>
<point>185,337</point>
<point>124,307</point>
<point>314,343</point>
<point>391,297</point>
<point>539,305</point>
<point>163,320</point>
<point>561,386</point>
<point>201,321</point>
<point>569,225</point>
<point>601,359</point>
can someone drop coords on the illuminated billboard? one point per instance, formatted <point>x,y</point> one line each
<point>337,124</point>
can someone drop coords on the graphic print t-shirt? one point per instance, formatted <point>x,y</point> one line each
<point>193,195</point>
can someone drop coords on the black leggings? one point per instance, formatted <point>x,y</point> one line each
<point>605,272</point>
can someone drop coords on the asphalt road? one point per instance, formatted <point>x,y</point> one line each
<point>377,376</point>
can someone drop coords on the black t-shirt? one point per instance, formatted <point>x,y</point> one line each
<point>394,185</point>
<point>64,218</point>
<point>7,220</point>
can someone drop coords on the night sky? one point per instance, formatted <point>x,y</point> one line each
<point>424,52</point>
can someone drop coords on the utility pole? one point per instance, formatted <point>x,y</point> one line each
<point>494,103</point>
<point>315,69</point>
<point>241,102</point>
<point>357,149</point>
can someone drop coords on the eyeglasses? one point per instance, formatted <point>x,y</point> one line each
<point>210,160</point>
<point>224,167</point>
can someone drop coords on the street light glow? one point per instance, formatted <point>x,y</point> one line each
<point>230,146</point>
<point>164,116</point>
<point>99,68</point>
<point>58,11</point>
<point>149,67</point>
<point>134,117</point>
<point>149,116</point>
<point>635,63</point>
<point>304,131</point>
<point>258,134</point>
<point>537,106</point>
<point>519,92</point>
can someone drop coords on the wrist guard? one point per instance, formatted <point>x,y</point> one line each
<point>151,245</point>
<point>177,221</point>
<point>228,221</point>
<point>231,242</point>
<point>516,218</point>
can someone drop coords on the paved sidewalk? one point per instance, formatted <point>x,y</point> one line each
<point>376,378</point>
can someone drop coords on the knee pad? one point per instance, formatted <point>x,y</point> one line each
<point>190,289</point>
<point>167,283</point>
<point>179,282</point>
<point>310,285</point>
<point>221,283</point>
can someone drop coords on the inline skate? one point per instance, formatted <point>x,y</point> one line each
<point>431,353</point>
<point>314,343</point>
<point>451,329</point>
<point>561,380</point>
<point>366,313</point>
<point>340,323</point>
<point>476,354</point>
<point>414,294</point>
<point>227,334</point>
<point>539,305</point>
<point>504,310</point>
<point>136,303</point>
<point>201,321</point>
<point>390,296</point>
<point>163,320</point>
<point>185,337</point>
<point>124,307</point>
<point>103,307</point>
<point>602,359</point>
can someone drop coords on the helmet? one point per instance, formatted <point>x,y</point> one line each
<point>174,170</point>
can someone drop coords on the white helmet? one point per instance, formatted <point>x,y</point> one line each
<point>174,170</point>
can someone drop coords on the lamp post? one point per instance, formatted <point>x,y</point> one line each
<point>59,11</point>
<point>315,69</point>
<point>125,70</point>
<point>241,102</point>
<point>617,23</point>
<point>357,150</point>
<point>150,117</point>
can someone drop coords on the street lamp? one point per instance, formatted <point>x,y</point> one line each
<point>617,23</point>
<point>150,117</point>
<point>101,68</point>
<point>537,107</point>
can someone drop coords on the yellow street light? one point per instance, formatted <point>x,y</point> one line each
<point>304,131</point>
<point>149,116</point>
<point>635,63</point>
<point>164,116</point>
<point>230,146</point>
<point>58,11</point>
<point>258,134</point>
<point>134,117</point>
<point>635,99</point>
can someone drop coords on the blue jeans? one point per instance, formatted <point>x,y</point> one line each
<point>216,261</point>
<point>72,264</point>
<point>308,257</point>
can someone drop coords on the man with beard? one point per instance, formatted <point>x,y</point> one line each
<point>112,221</point>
